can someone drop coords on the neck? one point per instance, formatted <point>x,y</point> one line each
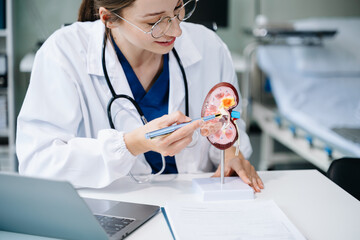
<point>135,56</point>
<point>146,65</point>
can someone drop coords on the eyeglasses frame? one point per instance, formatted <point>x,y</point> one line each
<point>161,19</point>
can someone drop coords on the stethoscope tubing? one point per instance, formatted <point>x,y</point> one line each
<point>143,119</point>
<point>116,96</point>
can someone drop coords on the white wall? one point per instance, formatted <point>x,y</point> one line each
<point>34,21</point>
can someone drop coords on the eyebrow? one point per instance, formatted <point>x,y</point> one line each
<point>157,13</point>
<point>153,14</point>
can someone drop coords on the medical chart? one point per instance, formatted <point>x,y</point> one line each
<point>253,220</point>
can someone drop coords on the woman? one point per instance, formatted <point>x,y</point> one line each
<point>63,127</point>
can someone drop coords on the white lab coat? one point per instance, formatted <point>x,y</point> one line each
<point>63,130</point>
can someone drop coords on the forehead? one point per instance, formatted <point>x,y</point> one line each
<point>144,7</point>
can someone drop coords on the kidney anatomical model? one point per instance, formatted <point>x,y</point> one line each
<point>221,132</point>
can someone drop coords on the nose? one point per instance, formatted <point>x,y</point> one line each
<point>175,29</point>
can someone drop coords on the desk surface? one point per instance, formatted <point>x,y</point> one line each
<point>316,206</point>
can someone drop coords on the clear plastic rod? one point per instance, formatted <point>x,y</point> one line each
<point>222,166</point>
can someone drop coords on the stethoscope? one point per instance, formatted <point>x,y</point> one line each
<point>132,100</point>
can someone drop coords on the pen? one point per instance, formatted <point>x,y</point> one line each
<point>172,128</point>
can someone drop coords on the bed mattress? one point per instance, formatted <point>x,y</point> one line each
<point>318,87</point>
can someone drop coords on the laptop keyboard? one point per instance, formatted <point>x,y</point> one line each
<point>113,225</point>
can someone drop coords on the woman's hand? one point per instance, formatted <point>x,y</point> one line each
<point>238,165</point>
<point>168,145</point>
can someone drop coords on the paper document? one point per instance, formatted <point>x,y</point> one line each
<point>231,220</point>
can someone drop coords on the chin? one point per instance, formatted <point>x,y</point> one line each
<point>163,50</point>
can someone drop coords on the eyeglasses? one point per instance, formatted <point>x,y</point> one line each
<point>160,28</point>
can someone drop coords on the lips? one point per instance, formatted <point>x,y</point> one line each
<point>166,43</point>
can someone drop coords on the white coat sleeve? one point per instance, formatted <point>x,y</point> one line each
<point>47,132</point>
<point>228,74</point>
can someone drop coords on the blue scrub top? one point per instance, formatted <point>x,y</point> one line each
<point>153,103</point>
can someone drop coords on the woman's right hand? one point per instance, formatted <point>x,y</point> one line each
<point>168,145</point>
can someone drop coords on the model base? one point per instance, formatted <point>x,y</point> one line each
<point>233,189</point>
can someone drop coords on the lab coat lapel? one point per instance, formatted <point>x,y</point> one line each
<point>177,93</point>
<point>114,68</point>
<point>120,84</point>
<point>189,55</point>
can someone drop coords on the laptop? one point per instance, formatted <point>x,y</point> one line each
<point>54,209</point>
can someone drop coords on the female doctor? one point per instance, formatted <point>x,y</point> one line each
<point>121,52</point>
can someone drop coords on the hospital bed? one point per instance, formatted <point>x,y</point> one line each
<point>316,89</point>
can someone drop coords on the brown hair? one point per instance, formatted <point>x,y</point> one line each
<point>89,9</point>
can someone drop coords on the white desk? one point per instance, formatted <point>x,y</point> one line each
<point>317,207</point>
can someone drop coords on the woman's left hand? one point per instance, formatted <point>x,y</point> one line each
<point>238,165</point>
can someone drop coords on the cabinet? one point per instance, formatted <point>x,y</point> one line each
<point>7,108</point>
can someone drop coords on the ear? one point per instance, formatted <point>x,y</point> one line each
<point>105,16</point>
